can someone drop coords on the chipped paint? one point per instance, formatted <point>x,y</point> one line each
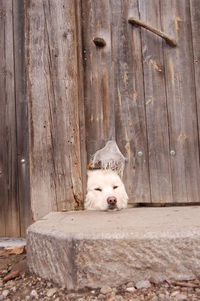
<point>155,65</point>
<point>125,78</point>
<point>177,19</point>
<point>119,96</point>
<point>101,116</point>
<point>128,149</point>
<point>91,78</point>
<point>135,95</point>
<point>171,69</point>
<point>130,123</point>
<point>150,100</point>
<point>127,145</point>
<point>181,138</point>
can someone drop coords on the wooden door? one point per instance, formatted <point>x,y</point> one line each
<point>144,93</point>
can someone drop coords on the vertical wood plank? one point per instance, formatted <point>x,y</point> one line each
<point>98,68</point>
<point>81,106</point>
<point>129,100</point>
<point>195,21</point>
<point>182,107</point>
<point>9,213</point>
<point>53,102</point>
<point>3,152</point>
<point>22,116</point>
<point>156,108</point>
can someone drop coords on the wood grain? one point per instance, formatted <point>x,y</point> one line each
<point>129,100</point>
<point>181,100</point>
<point>81,106</point>
<point>195,23</point>
<point>53,106</point>
<point>98,68</point>
<point>9,206</point>
<point>156,107</point>
<point>22,131</point>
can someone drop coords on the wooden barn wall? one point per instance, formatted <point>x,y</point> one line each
<point>62,98</point>
<point>15,211</point>
<point>145,94</point>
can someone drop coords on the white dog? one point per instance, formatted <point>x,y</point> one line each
<point>105,191</point>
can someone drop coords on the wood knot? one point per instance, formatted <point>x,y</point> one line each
<point>99,42</point>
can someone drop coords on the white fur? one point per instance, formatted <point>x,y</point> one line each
<point>105,180</point>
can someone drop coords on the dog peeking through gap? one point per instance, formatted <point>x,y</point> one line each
<point>105,189</point>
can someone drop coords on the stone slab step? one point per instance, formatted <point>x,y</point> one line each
<point>93,249</point>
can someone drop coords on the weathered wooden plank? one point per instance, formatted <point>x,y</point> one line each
<point>53,102</point>
<point>180,87</point>
<point>3,152</point>
<point>98,67</point>
<point>9,213</point>
<point>129,100</point>
<point>22,116</point>
<point>195,21</point>
<point>81,106</point>
<point>156,108</point>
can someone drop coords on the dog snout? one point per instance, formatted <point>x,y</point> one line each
<point>111,200</point>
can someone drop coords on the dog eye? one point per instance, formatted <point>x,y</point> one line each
<point>98,189</point>
<point>115,187</point>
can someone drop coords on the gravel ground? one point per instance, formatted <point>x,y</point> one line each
<point>24,286</point>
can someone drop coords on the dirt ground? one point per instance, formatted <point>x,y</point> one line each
<point>16,283</point>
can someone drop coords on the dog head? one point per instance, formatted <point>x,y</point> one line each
<point>105,191</point>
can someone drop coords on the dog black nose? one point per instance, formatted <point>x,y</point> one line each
<point>111,200</point>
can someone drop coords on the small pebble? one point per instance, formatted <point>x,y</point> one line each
<point>34,294</point>
<point>174,294</point>
<point>105,290</point>
<point>162,297</point>
<point>143,284</point>
<point>130,284</point>
<point>130,289</point>
<point>181,297</point>
<point>155,298</point>
<point>49,284</point>
<point>119,298</point>
<point>5,293</point>
<point>13,289</point>
<point>51,292</point>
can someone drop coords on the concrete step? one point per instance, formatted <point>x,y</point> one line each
<point>92,249</point>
